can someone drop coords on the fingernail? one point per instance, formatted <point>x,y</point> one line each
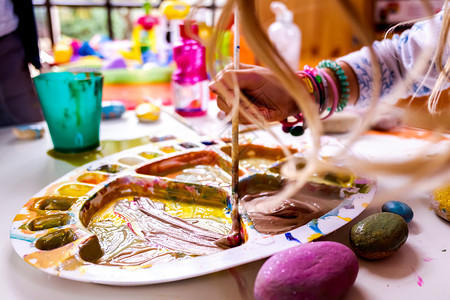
<point>264,112</point>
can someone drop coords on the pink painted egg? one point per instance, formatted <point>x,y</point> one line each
<point>318,270</point>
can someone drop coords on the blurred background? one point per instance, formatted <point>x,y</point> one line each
<point>325,29</point>
<point>136,58</point>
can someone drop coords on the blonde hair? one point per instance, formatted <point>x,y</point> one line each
<point>422,169</point>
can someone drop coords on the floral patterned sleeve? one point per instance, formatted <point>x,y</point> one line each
<point>397,57</point>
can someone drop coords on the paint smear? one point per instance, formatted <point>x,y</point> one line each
<point>419,279</point>
<point>289,237</point>
<point>106,148</point>
<point>409,133</point>
<point>428,259</point>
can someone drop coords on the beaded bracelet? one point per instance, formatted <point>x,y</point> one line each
<point>343,81</point>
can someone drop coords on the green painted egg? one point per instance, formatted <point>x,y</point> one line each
<point>379,235</point>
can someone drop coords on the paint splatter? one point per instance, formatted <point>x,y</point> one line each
<point>314,236</point>
<point>428,259</point>
<point>345,219</point>
<point>314,225</point>
<point>30,239</point>
<point>289,237</point>
<point>419,280</point>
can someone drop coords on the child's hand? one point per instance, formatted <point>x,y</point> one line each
<point>262,88</point>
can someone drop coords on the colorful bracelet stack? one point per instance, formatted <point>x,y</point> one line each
<point>335,95</point>
<point>317,82</point>
<point>343,81</point>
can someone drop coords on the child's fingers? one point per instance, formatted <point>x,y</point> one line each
<point>228,77</point>
<point>223,105</point>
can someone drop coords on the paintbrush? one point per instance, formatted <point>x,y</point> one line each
<point>235,135</point>
<point>234,237</point>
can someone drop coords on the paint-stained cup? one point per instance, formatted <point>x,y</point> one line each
<point>72,108</point>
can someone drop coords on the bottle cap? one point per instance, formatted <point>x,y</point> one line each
<point>282,13</point>
<point>186,33</point>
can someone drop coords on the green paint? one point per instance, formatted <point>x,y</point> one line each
<point>106,148</point>
<point>50,221</point>
<point>379,235</point>
<point>55,239</point>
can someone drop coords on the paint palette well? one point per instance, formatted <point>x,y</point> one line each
<point>154,214</point>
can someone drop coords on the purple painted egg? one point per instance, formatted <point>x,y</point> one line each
<point>318,270</point>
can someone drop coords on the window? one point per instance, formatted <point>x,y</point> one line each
<point>82,19</point>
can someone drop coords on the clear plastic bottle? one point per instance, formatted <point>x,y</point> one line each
<point>190,80</point>
<point>285,35</point>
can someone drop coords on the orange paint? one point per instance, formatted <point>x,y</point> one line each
<point>25,217</point>
<point>53,258</point>
<point>410,133</point>
<point>92,177</point>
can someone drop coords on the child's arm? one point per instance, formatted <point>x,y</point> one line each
<point>399,57</point>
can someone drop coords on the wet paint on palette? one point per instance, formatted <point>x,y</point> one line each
<point>107,213</point>
<point>314,225</point>
<point>106,148</point>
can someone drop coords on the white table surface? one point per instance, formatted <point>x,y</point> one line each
<point>419,270</point>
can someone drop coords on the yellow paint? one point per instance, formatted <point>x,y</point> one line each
<point>442,196</point>
<point>365,205</point>
<point>182,210</point>
<point>193,210</point>
<point>314,236</point>
<point>52,190</point>
<point>106,148</point>
<point>74,190</point>
<point>345,219</point>
<point>107,213</point>
<point>150,155</point>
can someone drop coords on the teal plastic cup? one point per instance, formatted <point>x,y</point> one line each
<point>72,106</point>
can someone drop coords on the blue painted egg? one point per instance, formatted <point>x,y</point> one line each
<point>112,109</point>
<point>400,208</point>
